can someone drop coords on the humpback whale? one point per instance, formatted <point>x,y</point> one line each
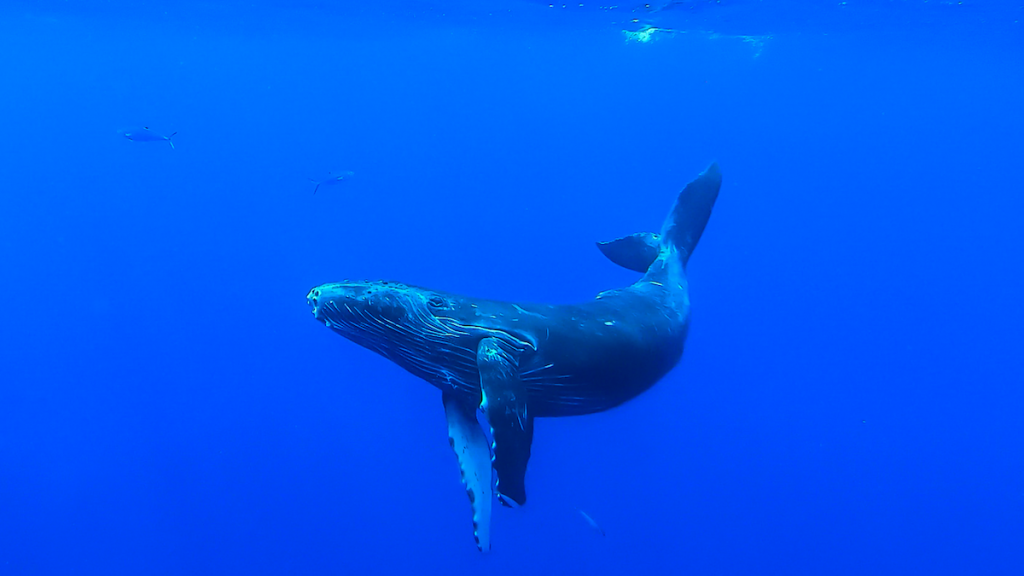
<point>515,362</point>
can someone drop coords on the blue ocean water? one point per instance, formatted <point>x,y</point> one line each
<point>850,400</point>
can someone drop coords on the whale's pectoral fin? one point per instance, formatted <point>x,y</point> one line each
<point>504,403</point>
<point>636,252</point>
<point>470,445</point>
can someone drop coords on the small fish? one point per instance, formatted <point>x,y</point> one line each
<point>144,134</point>
<point>334,180</point>
<point>591,521</point>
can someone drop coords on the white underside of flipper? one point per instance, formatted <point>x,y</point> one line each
<point>471,447</point>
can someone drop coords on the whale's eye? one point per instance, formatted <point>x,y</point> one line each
<point>436,302</point>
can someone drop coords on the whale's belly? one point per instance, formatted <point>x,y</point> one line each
<point>594,368</point>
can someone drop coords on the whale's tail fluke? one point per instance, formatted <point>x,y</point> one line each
<point>689,215</point>
<point>680,232</point>
<point>635,252</point>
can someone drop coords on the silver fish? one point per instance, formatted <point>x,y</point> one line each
<point>591,521</point>
<point>144,134</point>
<point>334,180</point>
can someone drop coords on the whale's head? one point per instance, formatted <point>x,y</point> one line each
<point>427,332</point>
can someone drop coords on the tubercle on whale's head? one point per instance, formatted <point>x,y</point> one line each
<point>347,300</point>
<point>371,304</point>
<point>412,326</point>
<point>391,300</point>
<point>425,331</point>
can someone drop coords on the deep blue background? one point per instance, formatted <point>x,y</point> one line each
<point>850,401</point>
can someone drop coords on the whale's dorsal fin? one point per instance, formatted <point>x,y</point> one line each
<point>634,252</point>
<point>470,445</point>
<point>504,403</point>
